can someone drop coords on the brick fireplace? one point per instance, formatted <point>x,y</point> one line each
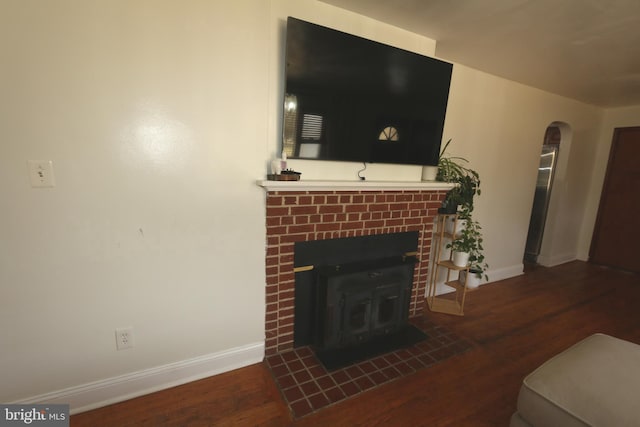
<point>298,212</point>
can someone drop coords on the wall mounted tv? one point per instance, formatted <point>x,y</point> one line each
<point>352,99</point>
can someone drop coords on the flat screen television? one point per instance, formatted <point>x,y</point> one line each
<point>352,99</point>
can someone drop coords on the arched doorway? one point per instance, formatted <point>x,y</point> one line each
<point>544,183</point>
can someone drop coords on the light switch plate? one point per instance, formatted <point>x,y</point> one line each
<point>41,173</point>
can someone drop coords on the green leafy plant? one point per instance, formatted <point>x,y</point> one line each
<point>478,265</point>
<point>453,169</point>
<point>470,241</point>
<point>479,268</point>
<point>450,167</point>
<point>470,238</point>
<point>459,200</point>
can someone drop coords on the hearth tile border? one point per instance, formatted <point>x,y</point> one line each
<point>307,386</point>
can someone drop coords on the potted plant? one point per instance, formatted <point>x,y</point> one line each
<point>452,169</point>
<point>468,238</point>
<point>468,242</point>
<point>477,264</point>
<point>477,272</point>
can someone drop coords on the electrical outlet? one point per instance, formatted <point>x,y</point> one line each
<point>124,338</point>
<point>41,173</point>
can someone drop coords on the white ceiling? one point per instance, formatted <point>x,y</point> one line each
<point>587,50</point>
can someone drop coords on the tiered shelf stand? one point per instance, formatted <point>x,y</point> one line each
<point>447,303</point>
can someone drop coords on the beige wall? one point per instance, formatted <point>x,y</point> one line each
<point>499,126</point>
<point>159,117</point>
<point>154,114</point>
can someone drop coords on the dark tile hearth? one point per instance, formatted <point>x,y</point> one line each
<point>308,387</point>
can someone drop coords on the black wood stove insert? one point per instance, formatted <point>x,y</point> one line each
<point>352,296</point>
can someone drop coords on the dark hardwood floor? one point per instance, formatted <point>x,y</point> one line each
<point>515,325</point>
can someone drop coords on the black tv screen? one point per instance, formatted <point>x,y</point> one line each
<point>352,99</point>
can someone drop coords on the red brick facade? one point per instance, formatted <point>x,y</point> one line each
<point>316,215</point>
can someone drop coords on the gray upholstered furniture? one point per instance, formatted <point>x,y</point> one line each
<point>596,382</point>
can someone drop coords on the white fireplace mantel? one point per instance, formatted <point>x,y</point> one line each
<point>321,185</point>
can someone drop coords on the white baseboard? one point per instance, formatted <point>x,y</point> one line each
<point>124,387</point>
<point>505,272</point>
<point>552,261</point>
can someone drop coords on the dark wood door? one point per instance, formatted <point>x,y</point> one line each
<point>616,238</point>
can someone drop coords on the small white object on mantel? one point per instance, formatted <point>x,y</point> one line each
<point>322,185</point>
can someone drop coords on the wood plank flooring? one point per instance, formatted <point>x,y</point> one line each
<point>515,325</point>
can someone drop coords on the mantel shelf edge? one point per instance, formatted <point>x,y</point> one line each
<point>328,185</point>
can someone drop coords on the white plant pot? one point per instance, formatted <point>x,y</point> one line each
<point>429,173</point>
<point>448,227</point>
<point>461,225</point>
<point>460,259</point>
<point>451,222</point>
<point>472,282</point>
